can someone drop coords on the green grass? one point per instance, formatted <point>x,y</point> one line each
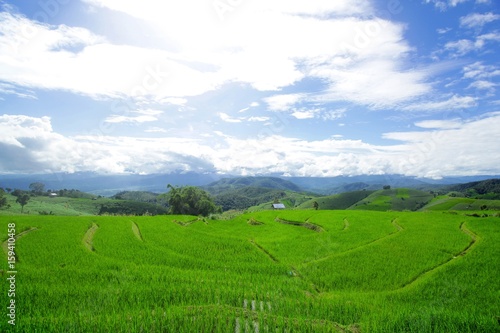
<point>362,271</point>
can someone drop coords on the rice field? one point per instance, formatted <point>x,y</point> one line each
<point>269,271</point>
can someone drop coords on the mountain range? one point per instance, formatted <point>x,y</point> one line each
<point>108,185</point>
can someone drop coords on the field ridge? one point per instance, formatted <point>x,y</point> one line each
<point>137,231</point>
<point>398,227</point>
<point>89,236</point>
<point>5,244</point>
<point>474,238</point>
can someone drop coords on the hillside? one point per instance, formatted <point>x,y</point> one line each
<point>486,189</point>
<point>44,205</point>
<point>336,201</point>
<point>394,199</point>
<point>243,192</point>
<point>462,204</point>
<point>226,184</point>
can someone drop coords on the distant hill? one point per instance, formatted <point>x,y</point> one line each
<point>243,192</point>
<point>395,199</point>
<point>334,185</point>
<point>225,184</point>
<point>336,201</point>
<point>108,185</point>
<point>486,189</point>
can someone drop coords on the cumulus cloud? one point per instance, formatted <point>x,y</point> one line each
<point>293,40</point>
<point>441,147</point>
<point>463,46</point>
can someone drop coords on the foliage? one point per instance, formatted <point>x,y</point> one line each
<point>190,200</point>
<point>486,189</point>
<point>126,207</point>
<point>141,196</point>
<point>23,199</point>
<point>3,199</point>
<point>37,188</point>
<point>72,193</point>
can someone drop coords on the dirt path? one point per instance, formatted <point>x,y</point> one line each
<point>137,231</point>
<point>89,236</point>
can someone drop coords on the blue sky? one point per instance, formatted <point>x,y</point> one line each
<point>316,88</point>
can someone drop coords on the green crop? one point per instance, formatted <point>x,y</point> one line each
<point>268,271</point>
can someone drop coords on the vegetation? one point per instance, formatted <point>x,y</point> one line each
<point>487,189</point>
<point>190,200</point>
<point>22,199</point>
<point>3,199</point>
<point>356,271</point>
<point>336,201</point>
<point>126,207</point>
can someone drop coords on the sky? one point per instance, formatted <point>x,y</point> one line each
<point>250,87</point>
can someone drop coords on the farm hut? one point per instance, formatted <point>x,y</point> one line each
<point>278,206</point>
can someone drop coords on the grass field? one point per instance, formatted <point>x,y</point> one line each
<point>288,271</point>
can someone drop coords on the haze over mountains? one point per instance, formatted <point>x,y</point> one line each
<point>111,184</point>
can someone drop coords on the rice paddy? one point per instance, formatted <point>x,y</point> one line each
<point>269,271</point>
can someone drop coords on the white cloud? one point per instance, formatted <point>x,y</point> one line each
<point>283,102</point>
<point>439,124</point>
<point>304,114</point>
<point>455,102</point>
<point>228,119</point>
<point>376,83</point>
<point>445,4</point>
<point>258,119</point>
<point>483,85</point>
<point>155,130</point>
<point>478,70</point>
<point>327,40</point>
<point>476,20</point>
<point>443,31</point>
<point>143,116</point>
<point>455,147</point>
<point>464,46</point>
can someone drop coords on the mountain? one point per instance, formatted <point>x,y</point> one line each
<point>275,183</point>
<point>108,185</point>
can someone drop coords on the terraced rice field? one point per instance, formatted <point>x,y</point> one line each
<point>289,271</point>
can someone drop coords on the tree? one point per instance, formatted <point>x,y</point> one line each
<point>23,199</point>
<point>37,188</point>
<point>315,205</point>
<point>190,200</point>
<point>3,200</point>
<point>387,187</point>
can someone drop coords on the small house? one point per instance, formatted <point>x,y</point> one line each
<point>278,206</point>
